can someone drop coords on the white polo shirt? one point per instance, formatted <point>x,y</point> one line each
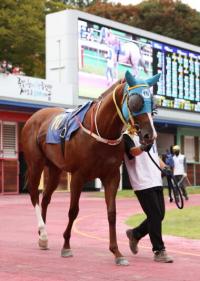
<point>179,161</point>
<point>143,173</point>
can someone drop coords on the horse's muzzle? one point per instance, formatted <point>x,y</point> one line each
<point>147,138</point>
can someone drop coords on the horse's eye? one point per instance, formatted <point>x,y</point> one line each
<point>135,103</point>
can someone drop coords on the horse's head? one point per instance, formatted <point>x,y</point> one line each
<point>138,105</point>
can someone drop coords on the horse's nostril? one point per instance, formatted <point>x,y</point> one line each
<point>146,136</point>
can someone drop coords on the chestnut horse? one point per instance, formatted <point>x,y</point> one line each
<point>95,150</point>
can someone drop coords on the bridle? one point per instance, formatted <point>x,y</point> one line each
<point>125,97</point>
<point>129,121</point>
<point>128,124</point>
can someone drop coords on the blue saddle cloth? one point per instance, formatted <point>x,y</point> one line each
<point>66,123</point>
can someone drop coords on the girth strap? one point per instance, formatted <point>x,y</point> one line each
<point>62,138</point>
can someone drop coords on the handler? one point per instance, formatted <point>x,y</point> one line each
<point>180,169</point>
<point>146,181</point>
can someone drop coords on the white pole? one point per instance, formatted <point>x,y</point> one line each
<point>59,59</point>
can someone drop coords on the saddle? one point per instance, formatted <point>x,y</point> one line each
<point>63,125</point>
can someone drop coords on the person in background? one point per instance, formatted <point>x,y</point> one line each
<point>146,181</point>
<point>4,67</point>
<point>9,67</point>
<point>169,161</point>
<point>110,65</point>
<point>16,70</point>
<point>180,169</point>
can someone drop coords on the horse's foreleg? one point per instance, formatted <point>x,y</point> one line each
<point>111,185</point>
<point>75,188</point>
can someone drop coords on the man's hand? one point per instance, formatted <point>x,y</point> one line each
<point>167,171</point>
<point>146,147</point>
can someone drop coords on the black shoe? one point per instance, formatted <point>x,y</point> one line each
<point>133,243</point>
<point>162,256</point>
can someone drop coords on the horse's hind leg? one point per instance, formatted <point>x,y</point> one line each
<point>75,187</point>
<point>52,183</point>
<point>35,166</point>
<point>34,175</point>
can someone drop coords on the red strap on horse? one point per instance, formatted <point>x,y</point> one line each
<point>92,121</point>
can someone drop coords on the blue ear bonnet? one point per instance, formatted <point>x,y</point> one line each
<point>135,86</point>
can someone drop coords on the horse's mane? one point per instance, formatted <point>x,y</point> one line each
<point>104,94</point>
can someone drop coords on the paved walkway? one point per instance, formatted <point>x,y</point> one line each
<point>21,260</point>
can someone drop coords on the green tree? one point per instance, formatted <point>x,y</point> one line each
<point>22,24</point>
<point>166,17</point>
<point>82,3</point>
<point>169,18</point>
<point>22,32</point>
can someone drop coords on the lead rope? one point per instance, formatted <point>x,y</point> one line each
<point>172,185</point>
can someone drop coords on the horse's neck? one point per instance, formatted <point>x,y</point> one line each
<point>108,121</point>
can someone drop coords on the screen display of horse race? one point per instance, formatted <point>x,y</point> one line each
<point>106,53</point>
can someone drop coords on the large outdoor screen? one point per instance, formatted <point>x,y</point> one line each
<point>106,53</point>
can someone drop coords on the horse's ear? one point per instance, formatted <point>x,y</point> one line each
<point>153,80</point>
<point>130,79</point>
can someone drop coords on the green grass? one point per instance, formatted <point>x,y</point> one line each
<point>120,194</point>
<point>193,189</point>
<point>183,223</point>
<point>130,193</point>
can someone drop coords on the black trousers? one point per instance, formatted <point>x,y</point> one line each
<point>153,204</point>
<point>181,185</point>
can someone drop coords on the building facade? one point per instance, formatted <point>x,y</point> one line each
<point>20,97</point>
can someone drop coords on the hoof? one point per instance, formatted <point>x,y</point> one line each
<point>65,253</point>
<point>43,244</point>
<point>121,261</point>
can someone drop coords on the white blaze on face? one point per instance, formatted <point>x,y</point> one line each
<point>152,125</point>
<point>41,224</point>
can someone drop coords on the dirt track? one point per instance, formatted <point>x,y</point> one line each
<point>21,260</point>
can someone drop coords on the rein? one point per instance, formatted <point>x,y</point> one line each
<point>117,107</point>
<point>127,124</point>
